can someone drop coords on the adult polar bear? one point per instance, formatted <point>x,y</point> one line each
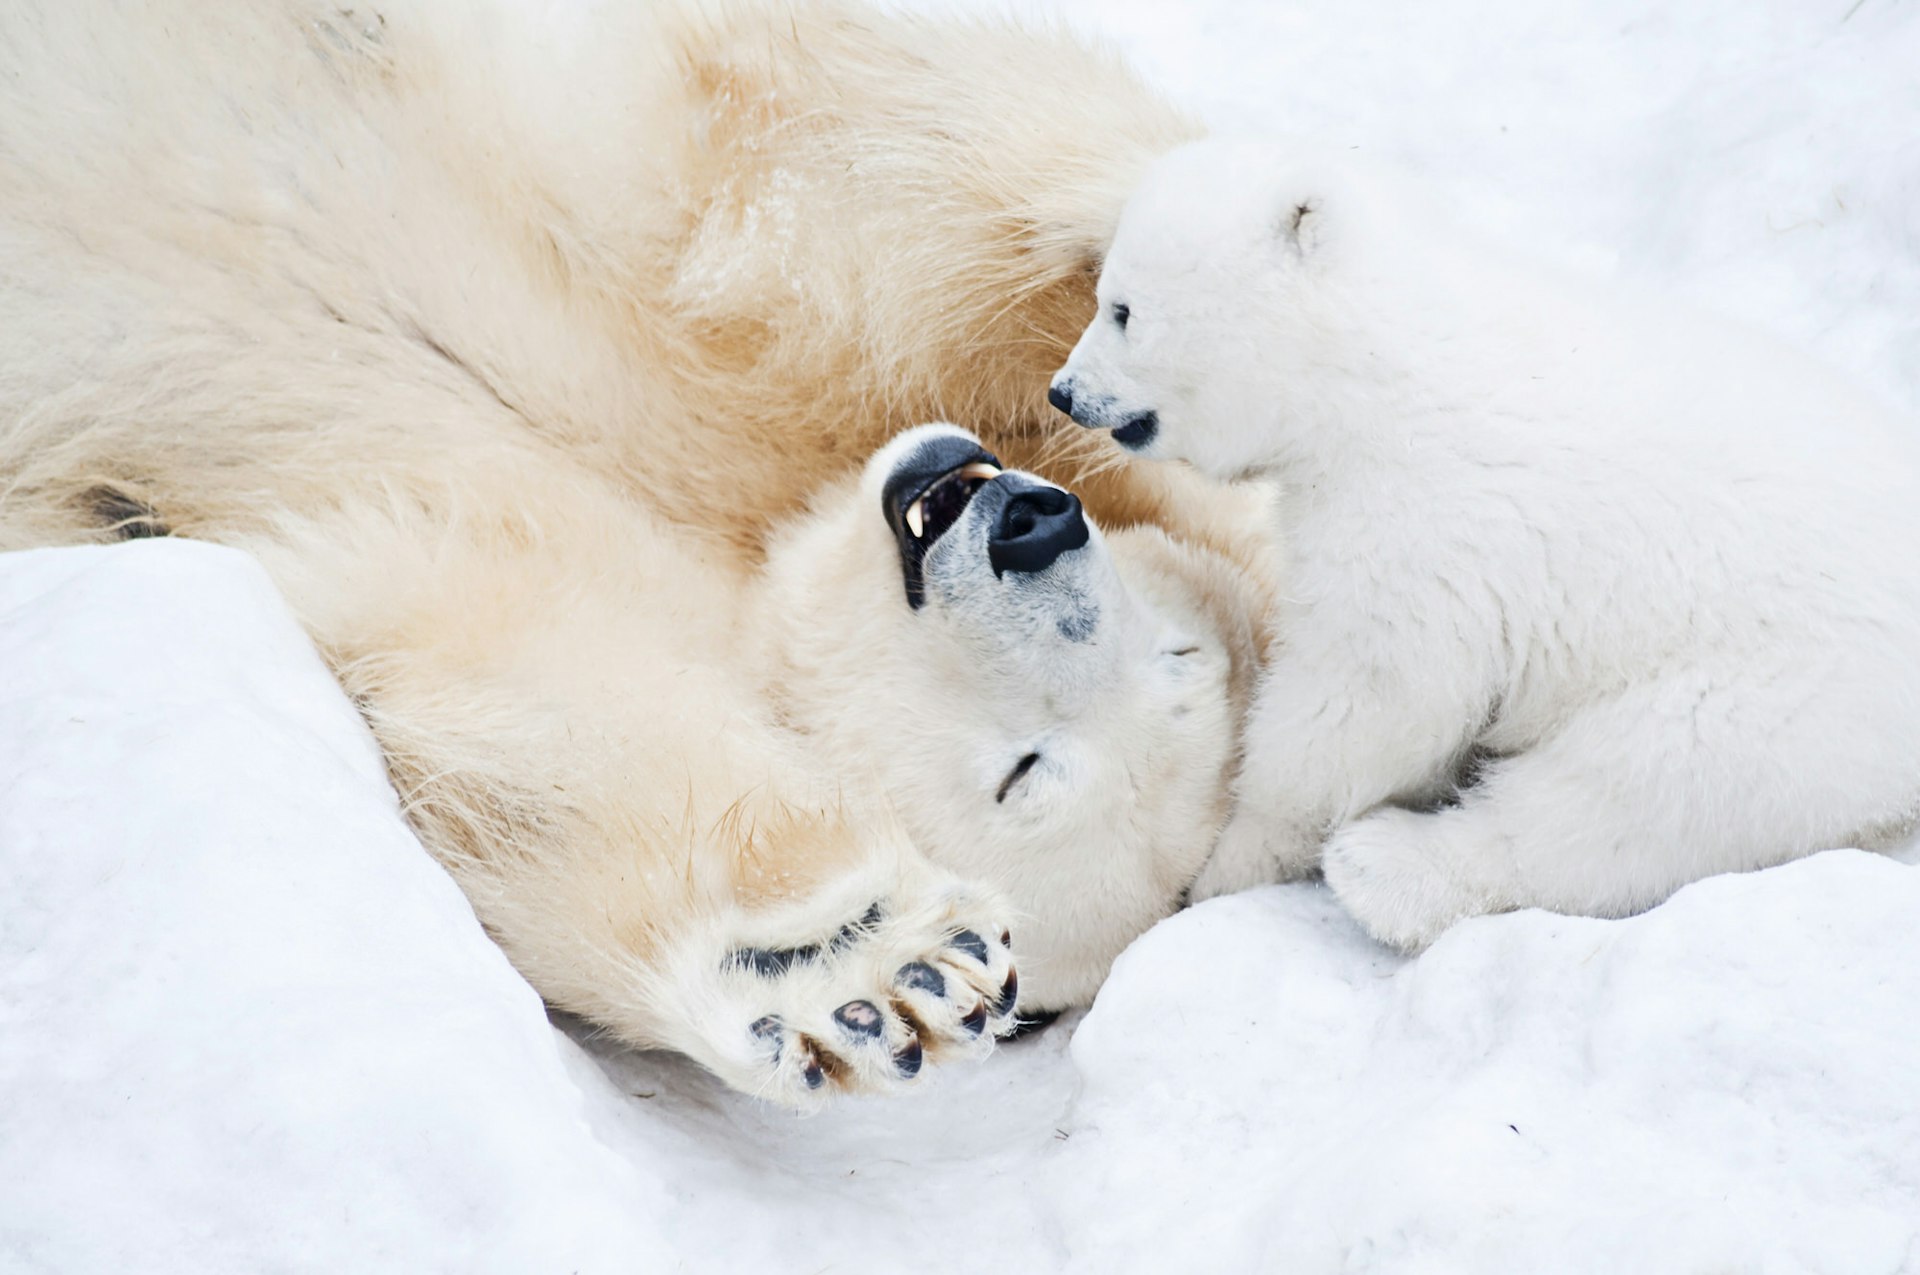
<point>507,337</point>
<point>1623,595</point>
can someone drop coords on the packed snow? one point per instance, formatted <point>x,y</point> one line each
<point>246,1024</point>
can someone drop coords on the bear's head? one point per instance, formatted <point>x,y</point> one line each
<point>1048,709</point>
<point>1232,300</point>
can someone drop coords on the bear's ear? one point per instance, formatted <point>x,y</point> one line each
<point>1300,224</point>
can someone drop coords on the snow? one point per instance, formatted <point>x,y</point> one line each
<point>244,1021</point>
<point>245,1024</point>
<point>1759,156</point>
<point>1725,1083</point>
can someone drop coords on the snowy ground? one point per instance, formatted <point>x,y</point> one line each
<point>246,1025</point>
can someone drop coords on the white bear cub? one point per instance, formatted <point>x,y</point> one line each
<point>1589,596</point>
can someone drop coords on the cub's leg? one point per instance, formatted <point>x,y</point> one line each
<point>559,704</point>
<point>1342,722</point>
<point>1634,797</point>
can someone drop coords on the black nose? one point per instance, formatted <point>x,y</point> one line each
<point>1037,525</point>
<point>1061,397</point>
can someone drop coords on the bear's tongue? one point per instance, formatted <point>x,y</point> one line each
<point>941,505</point>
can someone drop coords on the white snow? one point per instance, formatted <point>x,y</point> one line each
<point>246,1025</point>
<point>245,1022</point>
<point>1726,1083</point>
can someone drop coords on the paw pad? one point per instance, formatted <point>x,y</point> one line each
<point>860,1018</point>
<point>772,962</point>
<point>970,943</point>
<point>865,1005</point>
<point>922,977</point>
<point>853,931</point>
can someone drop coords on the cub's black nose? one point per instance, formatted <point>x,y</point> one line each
<point>1061,397</point>
<point>1036,526</point>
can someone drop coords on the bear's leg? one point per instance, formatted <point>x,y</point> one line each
<point>571,730</point>
<point>794,946</point>
<point>1632,798</point>
<point>655,859</point>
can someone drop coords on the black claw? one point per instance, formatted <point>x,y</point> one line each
<point>813,1069</point>
<point>860,1018</point>
<point>1032,1023</point>
<point>814,1061</point>
<point>970,943</point>
<point>921,977</point>
<point>907,1061</point>
<point>976,1020</point>
<point>1006,939</point>
<point>1009,993</point>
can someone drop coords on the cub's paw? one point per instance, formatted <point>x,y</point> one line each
<point>1404,878</point>
<point>869,1005</point>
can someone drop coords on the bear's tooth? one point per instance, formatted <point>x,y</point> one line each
<point>916,519</point>
<point>979,469</point>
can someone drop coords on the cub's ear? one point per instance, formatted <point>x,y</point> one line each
<point>1301,224</point>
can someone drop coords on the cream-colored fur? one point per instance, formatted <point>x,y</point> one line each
<point>1081,774</point>
<point>506,335</point>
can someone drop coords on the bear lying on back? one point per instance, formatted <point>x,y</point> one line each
<point>519,342</point>
<point>1590,596</point>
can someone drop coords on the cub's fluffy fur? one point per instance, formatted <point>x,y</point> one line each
<point>1590,595</point>
<point>506,335</point>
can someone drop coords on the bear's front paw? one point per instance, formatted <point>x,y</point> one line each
<point>866,1008</point>
<point>1404,879</point>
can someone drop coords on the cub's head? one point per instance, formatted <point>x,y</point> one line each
<point>1222,303</point>
<point>1048,709</point>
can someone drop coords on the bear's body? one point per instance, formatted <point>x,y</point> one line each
<point>1589,595</point>
<point>508,337</point>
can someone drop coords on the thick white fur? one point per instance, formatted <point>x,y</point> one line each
<point>1134,721</point>
<point>1642,586</point>
<point>508,336</point>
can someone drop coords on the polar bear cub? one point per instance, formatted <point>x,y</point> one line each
<point>1589,596</point>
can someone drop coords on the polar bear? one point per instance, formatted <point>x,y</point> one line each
<point>1059,708</point>
<point>1588,595</point>
<point>538,352</point>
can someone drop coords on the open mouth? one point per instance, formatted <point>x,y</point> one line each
<point>925,496</point>
<point>942,504</point>
<point>1137,431</point>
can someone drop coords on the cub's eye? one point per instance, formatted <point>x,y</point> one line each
<point>1120,316</point>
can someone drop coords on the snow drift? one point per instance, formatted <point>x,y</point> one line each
<point>248,1025</point>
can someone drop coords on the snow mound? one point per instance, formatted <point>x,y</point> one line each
<point>245,1022</point>
<point>1727,1082</point>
